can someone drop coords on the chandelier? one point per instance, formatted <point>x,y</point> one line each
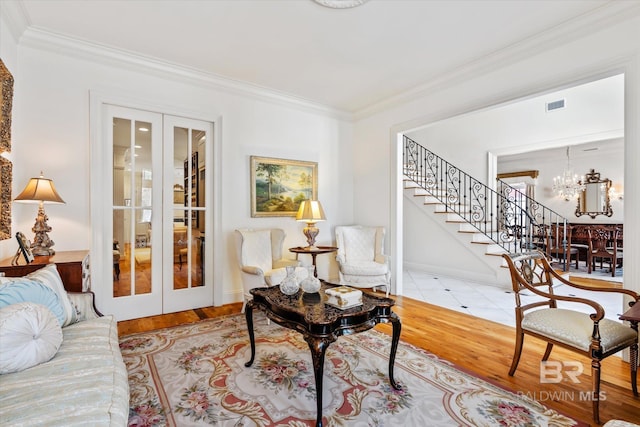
<point>568,185</point>
<point>340,4</point>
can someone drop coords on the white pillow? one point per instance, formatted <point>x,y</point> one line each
<point>29,335</point>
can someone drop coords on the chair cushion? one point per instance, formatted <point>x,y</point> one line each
<point>256,249</point>
<point>364,268</point>
<point>359,243</point>
<point>30,334</point>
<point>575,328</point>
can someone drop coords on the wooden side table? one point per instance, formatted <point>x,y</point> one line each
<point>73,267</point>
<point>314,252</point>
<point>633,316</point>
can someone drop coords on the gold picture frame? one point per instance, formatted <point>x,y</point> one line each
<point>6,170</point>
<point>6,98</point>
<point>24,247</point>
<point>6,178</point>
<point>279,185</point>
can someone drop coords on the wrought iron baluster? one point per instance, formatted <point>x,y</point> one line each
<point>508,217</point>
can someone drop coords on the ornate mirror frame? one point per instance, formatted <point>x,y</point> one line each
<point>594,199</point>
<point>6,100</point>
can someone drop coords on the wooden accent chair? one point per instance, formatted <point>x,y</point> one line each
<point>116,260</point>
<point>589,334</point>
<point>603,244</point>
<point>558,245</point>
<point>180,240</point>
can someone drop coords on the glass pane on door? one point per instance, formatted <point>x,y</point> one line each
<point>188,212</point>
<point>132,207</point>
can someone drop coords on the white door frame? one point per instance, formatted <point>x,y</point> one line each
<point>101,264</point>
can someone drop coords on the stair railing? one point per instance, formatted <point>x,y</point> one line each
<point>511,219</point>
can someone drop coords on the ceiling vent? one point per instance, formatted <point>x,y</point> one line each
<point>555,105</point>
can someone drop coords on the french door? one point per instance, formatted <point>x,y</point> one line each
<point>156,210</point>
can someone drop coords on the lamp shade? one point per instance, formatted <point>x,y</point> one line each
<point>39,190</point>
<point>310,211</point>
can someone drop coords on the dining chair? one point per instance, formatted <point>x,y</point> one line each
<point>603,245</point>
<point>558,245</point>
<point>588,333</point>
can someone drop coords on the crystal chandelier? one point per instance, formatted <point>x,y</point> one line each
<point>568,185</point>
<point>340,4</point>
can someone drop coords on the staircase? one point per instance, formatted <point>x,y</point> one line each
<point>490,222</point>
<point>479,243</point>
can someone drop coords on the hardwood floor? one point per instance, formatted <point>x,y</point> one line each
<point>122,283</point>
<point>479,346</point>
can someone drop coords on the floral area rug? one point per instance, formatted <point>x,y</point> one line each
<point>194,375</point>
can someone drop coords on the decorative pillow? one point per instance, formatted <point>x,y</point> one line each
<point>21,289</point>
<point>49,276</point>
<point>30,334</point>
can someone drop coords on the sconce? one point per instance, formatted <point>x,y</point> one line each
<point>614,194</point>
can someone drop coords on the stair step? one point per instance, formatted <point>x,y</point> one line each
<point>441,208</point>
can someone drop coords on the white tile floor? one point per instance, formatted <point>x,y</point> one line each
<point>488,302</point>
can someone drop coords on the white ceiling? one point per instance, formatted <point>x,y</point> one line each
<point>347,59</point>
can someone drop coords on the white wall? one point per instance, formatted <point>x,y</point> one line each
<point>595,55</point>
<point>608,160</point>
<point>51,133</point>
<point>593,118</point>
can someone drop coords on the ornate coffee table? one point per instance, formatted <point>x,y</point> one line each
<point>322,324</point>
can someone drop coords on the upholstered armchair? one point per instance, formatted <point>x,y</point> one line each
<point>361,261</point>
<point>585,332</point>
<point>261,258</point>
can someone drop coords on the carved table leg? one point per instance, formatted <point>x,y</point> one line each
<point>248,314</point>
<point>397,326</point>
<point>634,362</point>
<point>315,267</point>
<point>318,347</point>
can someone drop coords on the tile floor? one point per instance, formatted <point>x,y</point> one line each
<point>487,302</point>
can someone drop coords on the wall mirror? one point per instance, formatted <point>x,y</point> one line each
<point>594,199</point>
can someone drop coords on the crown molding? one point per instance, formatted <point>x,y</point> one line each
<point>15,16</point>
<point>39,38</point>
<point>599,19</point>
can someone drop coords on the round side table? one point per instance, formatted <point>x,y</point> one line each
<point>314,252</point>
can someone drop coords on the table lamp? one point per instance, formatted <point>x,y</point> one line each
<point>310,211</point>
<point>40,190</point>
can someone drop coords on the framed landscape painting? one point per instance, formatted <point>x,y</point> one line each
<point>279,185</point>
